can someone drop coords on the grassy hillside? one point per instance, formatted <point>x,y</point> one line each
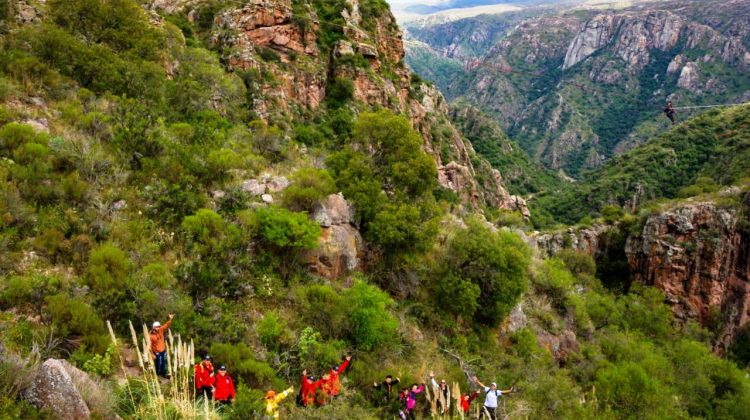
<point>122,199</point>
<point>698,156</point>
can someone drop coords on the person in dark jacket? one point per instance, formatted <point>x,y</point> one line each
<point>386,388</point>
<point>670,112</point>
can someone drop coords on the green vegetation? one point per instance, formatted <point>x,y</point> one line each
<point>133,203</point>
<point>696,157</point>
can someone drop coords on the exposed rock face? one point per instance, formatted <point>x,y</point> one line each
<point>700,257</point>
<point>586,240</point>
<point>595,34</point>
<point>561,346</point>
<point>689,77</point>
<point>341,246</point>
<point>53,389</point>
<point>246,33</point>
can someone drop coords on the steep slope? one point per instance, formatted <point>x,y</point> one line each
<point>698,156</point>
<point>209,160</point>
<point>571,88</point>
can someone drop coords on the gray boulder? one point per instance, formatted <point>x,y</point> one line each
<point>52,388</point>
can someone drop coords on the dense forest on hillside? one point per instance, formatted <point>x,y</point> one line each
<point>126,145</point>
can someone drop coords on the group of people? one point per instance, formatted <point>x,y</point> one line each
<point>407,397</point>
<point>211,383</point>
<point>217,384</point>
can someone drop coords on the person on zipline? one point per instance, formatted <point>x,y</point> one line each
<point>670,112</point>
<point>491,395</point>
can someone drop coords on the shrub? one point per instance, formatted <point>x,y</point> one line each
<point>308,187</point>
<point>495,263</point>
<point>287,230</point>
<point>74,319</point>
<point>339,91</point>
<point>371,325</point>
<point>553,278</point>
<point>241,364</point>
<point>272,331</point>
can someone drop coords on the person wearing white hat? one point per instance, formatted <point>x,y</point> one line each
<point>491,394</point>
<point>159,347</point>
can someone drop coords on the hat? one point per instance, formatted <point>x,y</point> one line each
<point>270,394</point>
<point>206,357</point>
<point>310,378</point>
<point>493,384</point>
<point>335,368</point>
<point>222,367</point>
<point>156,324</point>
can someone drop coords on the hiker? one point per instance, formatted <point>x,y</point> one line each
<point>273,400</point>
<point>308,389</point>
<point>670,112</point>
<point>223,387</point>
<point>411,400</point>
<point>403,397</point>
<point>491,394</point>
<point>466,400</point>
<point>386,387</point>
<point>331,384</point>
<point>204,378</point>
<point>159,347</point>
<point>444,396</point>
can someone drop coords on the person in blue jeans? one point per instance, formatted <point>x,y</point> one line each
<point>159,347</point>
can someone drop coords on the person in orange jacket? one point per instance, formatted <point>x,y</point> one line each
<point>204,378</point>
<point>223,387</point>
<point>331,384</point>
<point>308,389</point>
<point>159,347</point>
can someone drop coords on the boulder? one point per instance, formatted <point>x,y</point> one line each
<point>341,246</point>
<point>254,187</point>
<point>267,198</point>
<point>277,184</point>
<point>339,252</point>
<point>52,388</point>
<point>334,210</point>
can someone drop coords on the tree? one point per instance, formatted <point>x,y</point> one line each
<point>483,274</point>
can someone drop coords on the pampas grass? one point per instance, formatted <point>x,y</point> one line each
<point>174,398</point>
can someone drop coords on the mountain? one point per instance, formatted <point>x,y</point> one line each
<point>571,87</point>
<point>269,181</point>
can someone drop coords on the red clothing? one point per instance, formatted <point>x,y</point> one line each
<point>466,401</point>
<point>224,388</point>
<point>203,375</point>
<point>157,338</point>
<point>308,390</point>
<point>334,385</point>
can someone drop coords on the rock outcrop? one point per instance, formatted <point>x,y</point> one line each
<point>594,35</point>
<point>699,255</point>
<point>53,389</point>
<point>341,247</point>
<point>586,240</point>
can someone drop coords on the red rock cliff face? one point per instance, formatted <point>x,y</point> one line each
<point>699,255</point>
<point>298,80</point>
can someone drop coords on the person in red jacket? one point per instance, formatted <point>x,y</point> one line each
<point>466,400</point>
<point>223,387</point>
<point>332,385</point>
<point>308,389</point>
<point>204,378</point>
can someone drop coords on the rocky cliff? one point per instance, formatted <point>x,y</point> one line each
<point>279,39</point>
<point>571,88</point>
<point>699,255</point>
